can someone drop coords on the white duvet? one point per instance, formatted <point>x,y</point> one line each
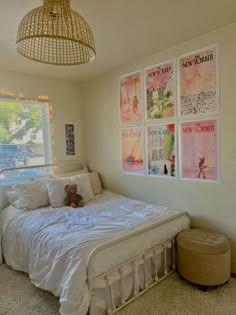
<point>53,245</point>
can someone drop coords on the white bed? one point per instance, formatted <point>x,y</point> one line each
<point>96,258</point>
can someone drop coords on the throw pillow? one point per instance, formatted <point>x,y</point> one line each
<point>31,196</point>
<point>95,182</point>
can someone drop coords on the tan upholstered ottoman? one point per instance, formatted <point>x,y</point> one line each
<point>204,257</point>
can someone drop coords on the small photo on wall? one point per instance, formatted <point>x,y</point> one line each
<point>199,150</point>
<point>132,148</point>
<point>160,91</point>
<point>161,150</point>
<point>199,82</point>
<point>70,139</point>
<point>131,98</point>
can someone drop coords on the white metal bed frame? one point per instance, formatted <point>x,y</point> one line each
<point>141,259</point>
<point>159,250</point>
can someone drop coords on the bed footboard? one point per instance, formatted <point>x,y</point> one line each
<point>155,264</point>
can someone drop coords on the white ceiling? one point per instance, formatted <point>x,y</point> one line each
<point>123,30</point>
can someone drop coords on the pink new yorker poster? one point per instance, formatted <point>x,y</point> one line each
<point>131,98</point>
<point>160,91</point>
<point>132,147</point>
<point>199,150</point>
<point>161,150</point>
<point>198,82</point>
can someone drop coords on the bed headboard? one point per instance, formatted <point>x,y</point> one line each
<point>69,167</point>
<point>61,168</point>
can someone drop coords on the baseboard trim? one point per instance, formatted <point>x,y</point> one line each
<point>233,275</point>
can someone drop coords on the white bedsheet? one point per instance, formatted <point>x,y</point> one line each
<point>53,245</point>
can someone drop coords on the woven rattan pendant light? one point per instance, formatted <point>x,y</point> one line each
<point>55,34</point>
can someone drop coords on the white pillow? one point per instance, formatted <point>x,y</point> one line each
<point>84,187</point>
<point>31,196</point>
<point>56,188</point>
<point>95,182</point>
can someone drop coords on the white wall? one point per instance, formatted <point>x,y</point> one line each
<point>211,205</point>
<point>64,96</point>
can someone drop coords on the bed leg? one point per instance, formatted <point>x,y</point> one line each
<point>157,252</point>
<point>145,272</point>
<point>155,261</point>
<point>173,248</point>
<point>165,260</point>
<point>92,302</point>
<point>122,301</point>
<point>108,297</point>
<point>112,298</point>
<point>135,278</point>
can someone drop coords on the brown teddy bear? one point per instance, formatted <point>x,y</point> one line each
<point>73,199</point>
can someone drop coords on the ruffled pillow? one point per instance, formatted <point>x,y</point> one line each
<point>12,196</point>
<point>31,196</point>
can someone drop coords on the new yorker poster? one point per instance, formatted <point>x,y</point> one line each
<point>132,148</point>
<point>160,91</point>
<point>161,150</point>
<point>131,98</point>
<point>199,150</point>
<point>198,82</point>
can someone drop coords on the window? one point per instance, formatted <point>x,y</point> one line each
<point>33,136</point>
<point>24,137</point>
<point>19,137</point>
<point>18,121</point>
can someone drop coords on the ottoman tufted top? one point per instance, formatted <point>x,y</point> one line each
<point>203,241</point>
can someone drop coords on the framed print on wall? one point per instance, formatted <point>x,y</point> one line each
<point>161,150</point>
<point>199,82</point>
<point>70,139</point>
<point>199,158</point>
<point>160,91</point>
<point>131,98</point>
<point>132,150</point>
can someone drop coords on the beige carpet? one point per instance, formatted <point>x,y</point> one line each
<point>173,296</point>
